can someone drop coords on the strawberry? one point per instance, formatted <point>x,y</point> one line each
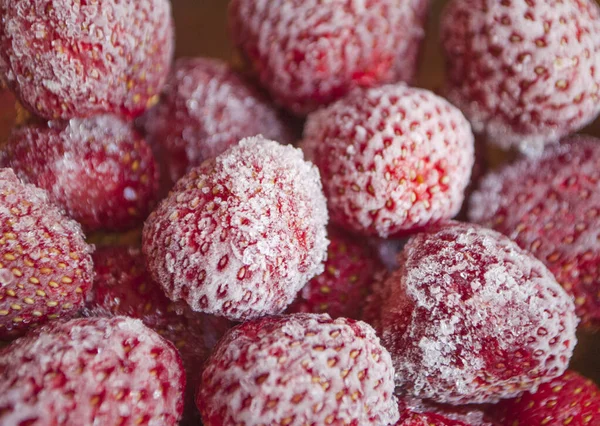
<point>471,318</point>
<point>45,263</point>
<point>205,108</point>
<point>569,400</point>
<point>68,59</point>
<point>91,371</point>
<point>550,206</point>
<point>308,53</point>
<point>240,235</point>
<point>393,159</point>
<point>100,170</point>
<point>414,412</point>
<point>340,290</point>
<point>298,369</point>
<point>523,72</point>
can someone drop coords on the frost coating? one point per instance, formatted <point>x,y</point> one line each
<point>525,73</point>
<point>392,159</point>
<point>308,53</point>
<point>74,59</point>
<point>305,368</point>
<point>471,318</point>
<point>241,234</point>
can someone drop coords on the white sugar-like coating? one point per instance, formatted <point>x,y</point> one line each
<point>306,368</point>
<point>525,73</point>
<point>310,52</point>
<point>240,235</point>
<point>393,159</point>
<point>91,371</point>
<point>472,318</point>
<point>70,59</point>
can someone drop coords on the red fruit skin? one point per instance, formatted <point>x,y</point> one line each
<point>471,318</point>
<point>550,206</point>
<point>66,59</point>
<point>567,400</point>
<point>45,263</point>
<point>308,53</point>
<point>298,369</point>
<point>341,289</point>
<point>523,72</point>
<point>122,286</point>
<point>100,170</point>
<point>393,159</point>
<point>205,108</point>
<point>91,371</point>
<point>414,412</point>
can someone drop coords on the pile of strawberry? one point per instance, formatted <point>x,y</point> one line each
<point>318,284</point>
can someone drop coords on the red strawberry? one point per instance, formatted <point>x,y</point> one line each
<point>206,107</point>
<point>100,170</point>
<point>340,290</point>
<point>240,235</point>
<point>299,369</point>
<point>551,207</point>
<point>308,53</point>
<point>45,263</point>
<point>91,371</point>
<point>471,318</point>
<point>393,159</point>
<point>523,72</point>
<point>414,412</point>
<point>569,400</point>
<point>69,59</point>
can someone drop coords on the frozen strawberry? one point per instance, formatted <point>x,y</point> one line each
<point>393,159</point>
<point>45,263</point>
<point>551,207</point>
<point>68,59</point>
<point>100,170</point>
<point>240,235</point>
<point>471,318</point>
<point>308,53</point>
<point>91,371</point>
<point>523,72</point>
<point>414,412</point>
<point>205,108</point>
<point>569,400</point>
<point>8,113</point>
<point>341,289</point>
<point>296,370</point>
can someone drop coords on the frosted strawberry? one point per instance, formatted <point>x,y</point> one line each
<point>205,108</point>
<point>45,263</point>
<point>91,371</point>
<point>308,53</point>
<point>299,369</point>
<point>69,59</point>
<point>393,159</point>
<point>523,72</point>
<point>471,318</point>
<point>340,290</point>
<point>240,235</point>
<point>100,170</point>
<point>415,412</point>
<point>550,206</point>
<point>567,400</point>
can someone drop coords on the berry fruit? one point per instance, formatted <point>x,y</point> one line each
<point>569,400</point>
<point>240,235</point>
<point>299,369</point>
<point>340,290</point>
<point>91,371</point>
<point>308,53</point>
<point>551,207</point>
<point>393,159</point>
<point>471,318</point>
<point>100,170</point>
<point>45,263</point>
<point>205,108</point>
<point>415,412</point>
<point>523,72</point>
<point>68,59</point>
